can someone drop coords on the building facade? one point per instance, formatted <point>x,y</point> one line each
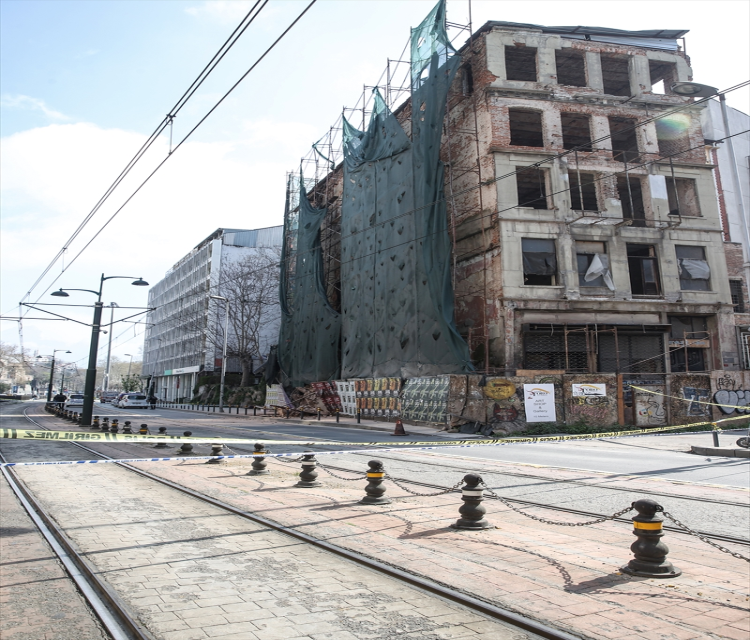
<point>181,336</point>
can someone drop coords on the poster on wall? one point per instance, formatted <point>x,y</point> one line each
<point>378,397</point>
<point>539,401</point>
<point>587,389</point>
<point>426,399</point>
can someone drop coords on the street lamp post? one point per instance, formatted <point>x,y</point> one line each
<point>224,352</point>
<point>130,364</point>
<point>105,384</point>
<point>52,373</point>
<point>90,385</point>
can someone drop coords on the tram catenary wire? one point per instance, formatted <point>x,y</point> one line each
<point>433,587</point>
<point>368,453</point>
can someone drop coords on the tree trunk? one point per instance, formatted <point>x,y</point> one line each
<point>247,371</point>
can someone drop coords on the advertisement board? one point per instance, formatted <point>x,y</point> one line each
<point>539,401</point>
<point>589,389</point>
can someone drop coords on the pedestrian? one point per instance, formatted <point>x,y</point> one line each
<point>152,401</point>
<point>60,399</point>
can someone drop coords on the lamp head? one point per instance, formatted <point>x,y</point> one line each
<point>693,90</point>
<point>60,294</point>
<point>139,283</point>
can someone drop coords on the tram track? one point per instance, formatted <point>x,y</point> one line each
<point>123,627</point>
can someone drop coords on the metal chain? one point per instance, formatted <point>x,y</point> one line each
<point>327,470</point>
<point>704,538</point>
<point>545,521</point>
<point>285,460</point>
<point>415,493</point>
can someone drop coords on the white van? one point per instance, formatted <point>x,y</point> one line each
<point>133,401</point>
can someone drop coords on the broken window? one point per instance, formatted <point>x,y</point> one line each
<point>738,299</point>
<point>688,340</point>
<point>539,261</point>
<point>695,273</point>
<point>571,68</point>
<point>525,128</point>
<point>576,131</point>
<point>631,197</point>
<point>520,63</point>
<point>593,265</point>
<point>531,183</point>
<point>584,188</point>
<point>644,270</point>
<point>467,80</point>
<point>663,75</point>
<point>672,134</point>
<point>683,198</point>
<point>616,75</point>
<point>624,139</point>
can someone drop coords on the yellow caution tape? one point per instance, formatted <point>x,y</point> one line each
<point>106,437</point>
<point>713,404</point>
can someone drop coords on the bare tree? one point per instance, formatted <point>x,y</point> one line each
<point>251,287</point>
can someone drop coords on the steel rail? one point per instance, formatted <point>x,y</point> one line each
<point>106,604</point>
<point>431,586</point>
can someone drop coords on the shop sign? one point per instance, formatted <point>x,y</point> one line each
<point>539,401</point>
<point>588,389</point>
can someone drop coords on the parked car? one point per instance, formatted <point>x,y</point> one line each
<point>116,401</point>
<point>74,400</point>
<point>133,400</point>
<point>108,396</point>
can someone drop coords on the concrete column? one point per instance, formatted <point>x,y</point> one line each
<point>594,71</point>
<point>546,65</point>
<point>599,129</point>
<point>640,76</point>
<point>657,185</point>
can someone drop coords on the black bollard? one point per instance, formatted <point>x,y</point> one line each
<point>375,488</point>
<point>115,426</point>
<point>259,461</point>
<point>255,411</point>
<point>472,512</point>
<point>161,445</point>
<point>216,450</point>
<point>288,412</point>
<point>318,414</point>
<point>715,433</point>
<point>95,422</point>
<point>144,430</point>
<point>359,415</point>
<point>650,552</point>
<point>126,427</point>
<point>308,475</point>
<point>105,424</point>
<point>337,417</point>
<point>186,449</point>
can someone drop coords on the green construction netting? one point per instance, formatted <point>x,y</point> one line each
<point>427,40</point>
<point>309,336</point>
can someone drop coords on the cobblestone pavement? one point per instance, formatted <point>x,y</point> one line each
<point>38,601</point>
<point>191,571</point>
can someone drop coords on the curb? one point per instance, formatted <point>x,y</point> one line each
<point>720,452</point>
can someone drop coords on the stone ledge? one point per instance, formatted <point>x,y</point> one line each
<point>720,452</point>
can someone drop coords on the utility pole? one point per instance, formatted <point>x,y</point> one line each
<point>105,385</point>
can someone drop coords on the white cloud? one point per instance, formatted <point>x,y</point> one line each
<point>29,103</point>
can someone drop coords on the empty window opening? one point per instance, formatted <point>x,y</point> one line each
<point>738,297</point>
<point>695,274</point>
<point>586,188</point>
<point>663,75</point>
<point>683,198</point>
<point>616,75</point>
<point>624,139</point>
<point>672,134</point>
<point>532,188</point>
<point>631,353</point>
<point>467,80</point>
<point>631,197</point>
<point>644,270</point>
<point>593,261</point>
<point>525,128</point>
<point>571,67</point>
<point>552,349</point>
<point>520,63</point>
<point>539,261</point>
<point>688,340</point>
<point>576,131</point>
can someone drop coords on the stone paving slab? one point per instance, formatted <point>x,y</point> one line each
<point>38,600</point>
<point>191,571</point>
<point>564,576</point>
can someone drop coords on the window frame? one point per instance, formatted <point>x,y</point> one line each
<point>654,261</point>
<point>690,284</point>
<point>527,276</point>
<point>579,245</point>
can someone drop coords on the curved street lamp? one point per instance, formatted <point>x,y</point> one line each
<point>130,364</point>
<point>52,373</point>
<point>90,385</point>
<point>224,352</point>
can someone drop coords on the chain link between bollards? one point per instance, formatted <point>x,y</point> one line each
<point>416,493</point>
<point>704,538</point>
<point>492,494</point>
<point>335,475</point>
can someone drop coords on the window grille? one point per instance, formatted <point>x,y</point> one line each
<point>738,299</point>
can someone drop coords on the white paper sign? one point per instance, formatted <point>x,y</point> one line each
<point>539,400</point>
<point>589,389</point>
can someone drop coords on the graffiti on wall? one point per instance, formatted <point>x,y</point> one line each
<point>697,398</point>
<point>733,398</point>
<point>649,408</point>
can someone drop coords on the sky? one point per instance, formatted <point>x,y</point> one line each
<point>84,83</point>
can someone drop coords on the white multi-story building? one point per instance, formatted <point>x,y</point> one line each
<point>177,347</point>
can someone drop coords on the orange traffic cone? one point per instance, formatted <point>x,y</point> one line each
<point>399,430</point>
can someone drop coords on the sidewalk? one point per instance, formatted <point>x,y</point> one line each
<point>567,577</point>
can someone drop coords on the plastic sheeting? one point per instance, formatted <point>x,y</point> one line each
<point>397,297</point>
<point>693,269</point>
<point>600,267</point>
<point>310,329</point>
